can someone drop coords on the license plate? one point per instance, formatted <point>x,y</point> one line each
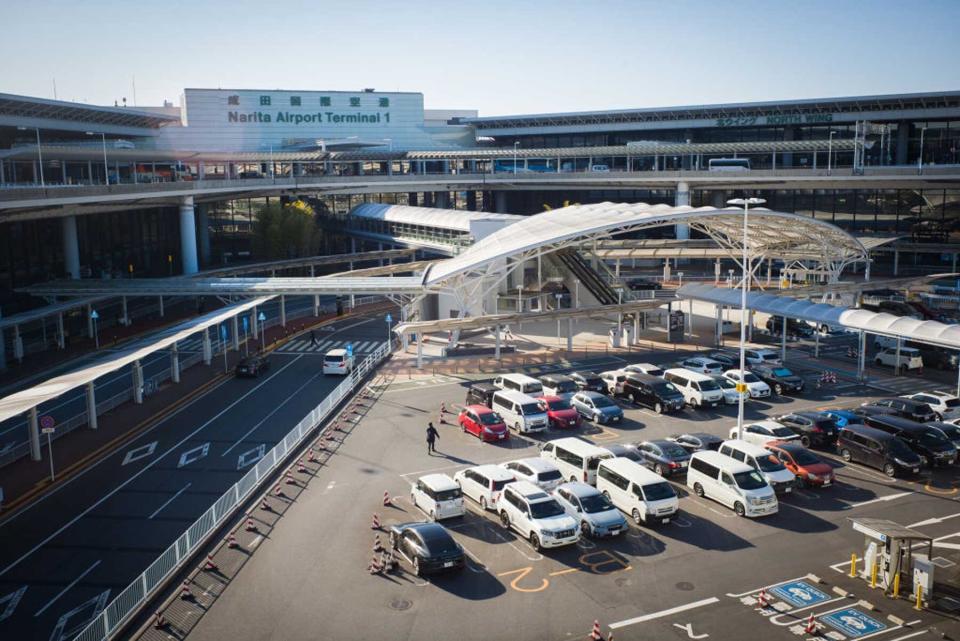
<point>501,436</point>
<point>449,564</point>
<point>826,483</point>
<point>788,490</point>
<point>683,463</point>
<point>614,530</point>
<point>665,521</point>
<point>915,470</point>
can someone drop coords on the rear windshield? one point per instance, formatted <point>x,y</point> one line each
<point>490,418</point>
<point>533,388</point>
<point>449,495</point>
<point>566,386</point>
<point>713,366</point>
<point>708,386</point>
<point>655,371</point>
<point>552,475</point>
<point>782,371</point>
<point>499,485</point>
<point>804,457</point>
<point>749,377</point>
<point>592,380</point>
<point>545,509</point>
<point>594,461</point>
<point>530,408</point>
<point>658,491</point>
<point>595,503</point>
<point>559,404</point>
<point>672,450</point>
<point>664,388</point>
<point>826,423</point>
<point>441,544</point>
<point>785,432</point>
<point>769,357</point>
<point>337,360</point>
<point>953,402</point>
<point>749,480</point>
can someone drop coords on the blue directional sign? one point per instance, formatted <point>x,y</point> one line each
<point>262,317</point>
<point>246,324</point>
<point>94,315</point>
<point>799,593</point>
<point>853,623</point>
<point>389,318</point>
<point>349,349</point>
<point>223,331</point>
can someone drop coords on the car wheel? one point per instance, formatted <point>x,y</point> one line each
<point>658,469</point>
<point>585,529</point>
<point>845,455</point>
<point>805,440</point>
<point>694,403</point>
<point>535,542</point>
<point>416,565</point>
<point>777,389</point>
<point>698,489</point>
<point>890,470</point>
<point>463,426</point>
<point>658,408</point>
<point>738,509</point>
<point>878,362</point>
<point>631,398</point>
<point>483,503</point>
<point>505,519</point>
<point>636,516</point>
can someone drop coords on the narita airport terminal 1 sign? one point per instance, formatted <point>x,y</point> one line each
<point>289,118</point>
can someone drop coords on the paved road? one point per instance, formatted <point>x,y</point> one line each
<point>13,432</point>
<point>680,581</point>
<point>66,556</point>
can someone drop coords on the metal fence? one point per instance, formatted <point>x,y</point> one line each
<point>128,602</point>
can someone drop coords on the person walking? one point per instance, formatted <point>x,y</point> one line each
<point>313,338</point>
<point>432,436</point>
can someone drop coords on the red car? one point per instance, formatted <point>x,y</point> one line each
<point>483,422</point>
<point>808,468</point>
<point>559,411</point>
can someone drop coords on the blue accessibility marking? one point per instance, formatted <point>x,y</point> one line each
<point>799,594</point>
<point>853,623</point>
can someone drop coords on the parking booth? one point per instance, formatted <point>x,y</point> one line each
<point>628,337</point>
<point>614,336</point>
<point>889,560</point>
<point>675,333</point>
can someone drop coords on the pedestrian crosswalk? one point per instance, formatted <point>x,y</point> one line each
<point>306,346</point>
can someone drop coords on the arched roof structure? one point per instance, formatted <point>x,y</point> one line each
<point>770,234</point>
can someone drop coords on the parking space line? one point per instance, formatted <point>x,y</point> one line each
<point>169,501</point>
<point>66,589</point>
<point>663,613</point>
<point>561,572</point>
<point>807,607</point>
<point>880,499</point>
<point>909,636</point>
<point>767,587</point>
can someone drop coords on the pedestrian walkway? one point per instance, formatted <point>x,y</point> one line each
<point>305,346</point>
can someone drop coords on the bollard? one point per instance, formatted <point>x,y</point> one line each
<point>853,565</point>
<point>873,574</point>
<point>896,586</point>
<point>919,604</point>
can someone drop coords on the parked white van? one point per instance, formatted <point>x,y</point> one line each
<point>519,411</point>
<point>438,496</point>
<point>519,383</point>
<point>637,491</point>
<point>336,361</point>
<point>484,483</point>
<point>576,459</point>
<point>731,483</point>
<point>761,459</point>
<point>699,390</point>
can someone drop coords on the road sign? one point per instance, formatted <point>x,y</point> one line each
<point>853,623</point>
<point>223,331</point>
<point>246,324</point>
<point>799,593</point>
<point>94,315</point>
<point>47,422</point>
<point>48,430</point>
<point>262,317</point>
<point>349,349</point>
<point>389,318</point>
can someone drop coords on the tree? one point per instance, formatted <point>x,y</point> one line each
<point>286,231</point>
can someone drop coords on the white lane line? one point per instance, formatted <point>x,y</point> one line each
<point>169,501</point>
<point>793,620</point>
<point>910,636</point>
<point>146,467</point>
<point>933,521</point>
<point>64,590</point>
<point>256,541</point>
<point>881,499</point>
<point>663,613</point>
<point>767,587</point>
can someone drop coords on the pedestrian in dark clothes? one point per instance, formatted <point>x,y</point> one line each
<point>432,436</point>
<point>313,338</point>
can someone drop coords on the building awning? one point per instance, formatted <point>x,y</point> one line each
<point>449,219</point>
<point>13,106</point>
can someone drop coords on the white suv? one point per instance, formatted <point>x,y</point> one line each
<point>537,471</point>
<point>536,516</point>
<point>909,358</point>
<point>613,380</point>
<point>945,404</point>
<point>761,357</point>
<point>756,387</point>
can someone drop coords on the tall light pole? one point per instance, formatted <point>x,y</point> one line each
<point>920,157</point>
<point>742,386</point>
<point>516,143</point>
<point>39,153</point>
<point>106,167</point>
<point>829,155</point>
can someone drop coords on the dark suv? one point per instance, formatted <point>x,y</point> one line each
<point>813,428</point>
<point>876,448</point>
<point>481,394</point>
<point>794,327</point>
<point>929,444</point>
<point>904,407</point>
<point>653,392</point>
<point>780,379</point>
<point>589,382</point>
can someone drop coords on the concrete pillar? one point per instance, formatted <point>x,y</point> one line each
<point>71,247</point>
<point>419,350</point>
<point>161,306</point>
<point>188,236</point>
<point>174,363</point>
<point>500,202</point>
<point>61,339</point>
<point>496,348</point>
<point>769,269</point>
<point>716,272</point>
<point>789,133</point>
<point>236,333</point>
<point>718,327</point>
<point>682,199</point>
<point>34,429</point>
<point>91,406</point>
<point>441,200</point>
<point>283,311</point>
<point>316,305</point>
<point>137,372</point>
<point>861,356</point>
<point>903,140</point>
<point>896,261</point>
<point>203,228</point>
<point>353,249</point>
<point>471,194</point>
<point>253,323</point>
<point>207,347</point>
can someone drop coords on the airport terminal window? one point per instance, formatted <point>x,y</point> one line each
<point>294,101</point>
<point>355,101</point>
<point>264,101</point>
<point>324,101</point>
<point>384,102</point>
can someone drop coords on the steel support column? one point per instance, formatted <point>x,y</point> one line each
<point>283,311</point>
<point>207,347</point>
<point>34,430</point>
<point>137,372</point>
<point>91,406</point>
<point>175,363</point>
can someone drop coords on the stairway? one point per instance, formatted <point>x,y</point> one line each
<point>590,279</point>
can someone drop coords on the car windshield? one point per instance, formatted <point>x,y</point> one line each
<point>750,377</point>
<point>901,450</point>
<point>664,388</point>
<point>785,432</point>
<point>782,371</point>
<point>448,495</point>
<point>550,475</point>
<point>933,439</point>
<point>592,380</point>
<point>595,503</point>
<point>713,366</point>
<point>952,402</point>
<point>499,485</point>
<point>769,464</point>
<point>566,386</point>
<point>654,371</point>
<point>545,509</point>
<point>709,386</point>
<point>490,418</point>
<point>672,450</point>
<point>658,491</point>
<point>749,480</point>
<point>952,432</point>
<point>726,383</point>
<point>826,423</point>
<point>603,401</point>
<point>530,408</point>
<point>559,404</point>
<point>804,457</point>
<point>769,357</point>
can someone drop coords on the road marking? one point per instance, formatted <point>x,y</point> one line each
<point>907,636</point>
<point>688,628</point>
<point>521,573</point>
<point>663,613</point>
<point>98,602</point>
<point>562,572</point>
<point>64,590</point>
<point>933,521</point>
<point>12,600</point>
<point>135,476</point>
<point>807,607</point>
<point>139,452</point>
<point>934,490</point>
<point>256,541</point>
<point>191,456</point>
<point>767,587</point>
<point>251,456</point>
<point>881,499</point>
<point>169,501</point>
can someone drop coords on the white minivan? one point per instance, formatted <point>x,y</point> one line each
<point>519,411</point>
<point>731,483</point>
<point>637,491</point>
<point>761,459</point>
<point>699,390</point>
<point>484,483</point>
<point>576,459</point>
<point>438,495</point>
<point>519,383</point>
<point>337,361</point>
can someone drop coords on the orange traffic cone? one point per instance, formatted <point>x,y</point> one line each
<point>386,499</point>
<point>376,522</point>
<point>762,599</point>
<point>209,565</point>
<point>251,526</point>
<point>278,491</point>
<point>301,468</point>
<point>289,480</point>
<point>232,541</point>
<point>313,456</point>
<point>185,592</point>
<point>811,627</point>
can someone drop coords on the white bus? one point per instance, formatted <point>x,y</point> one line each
<point>728,164</point>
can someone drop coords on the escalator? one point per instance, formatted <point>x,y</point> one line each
<point>589,278</point>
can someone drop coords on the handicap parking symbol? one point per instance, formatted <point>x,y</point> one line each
<point>799,594</point>
<point>853,623</point>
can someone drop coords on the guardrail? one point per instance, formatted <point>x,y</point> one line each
<point>128,602</point>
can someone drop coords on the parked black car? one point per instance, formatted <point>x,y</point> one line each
<point>664,457</point>
<point>929,444</point>
<point>643,284</point>
<point>813,428</point>
<point>252,366</point>
<point>794,327</point>
<point>727,359</point>
<point>589,382</point>
<point>934,356</point>
<point>950,432</point>
<point>428,547</point>
<point>878,449</point>
<point>653,392</point>
<point>628,450</point>
<point>481,394</point>
<point>780,379</point>
<point>697,441</point>
<point>905,407</point>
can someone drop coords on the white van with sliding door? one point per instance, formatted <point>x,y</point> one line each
<point>576,459</point>
<point>337,361</point>
<point>438,495</point>
<point>519,383</point>
<point>731,483</point>
<point>519,411</point>
<point>699,390</point>
<point>637,491</point>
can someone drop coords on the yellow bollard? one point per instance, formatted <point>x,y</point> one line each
<point>853,565</point>
<point>873,574</point>
<point>919,604</point>
<point>896,586</point>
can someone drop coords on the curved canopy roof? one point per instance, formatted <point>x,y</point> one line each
<point>452,219</point>
<point>770,233</point>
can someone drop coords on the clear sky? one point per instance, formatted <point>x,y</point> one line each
<point>498,57</point>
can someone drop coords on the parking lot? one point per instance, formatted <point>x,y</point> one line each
<point>695,577</point>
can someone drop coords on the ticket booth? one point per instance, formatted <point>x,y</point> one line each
<point>888,552</point>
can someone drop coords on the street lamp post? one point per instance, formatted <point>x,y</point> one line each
<point>829,156</point>
<point>39,153</point>
<point>519,305</point>
<point>106,167</point>
<point>516,143</point>
<point>558,295</point>
<point>741,385</point>
<point>920,157</point>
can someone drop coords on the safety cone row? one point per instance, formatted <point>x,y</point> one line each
<point>288,479</point>
<point>387,502</point>
<point>375,567</point>
<point>762,599</point>
<point>209,565</point>
<point>389,562</point>
<point>250,526</point>
<point>312,457</point>
<point>595,634</point>
<point>232,541</point>
<point>278,491</point>
<point>185,592</point>
<point>301,468</point>
<point>811,627</point>
<point>375,525</point>
<point>159,621</point>
<point>377,545</point>
<point>265,506</point>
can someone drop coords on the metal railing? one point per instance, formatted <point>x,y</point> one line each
<point>111,619</point>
